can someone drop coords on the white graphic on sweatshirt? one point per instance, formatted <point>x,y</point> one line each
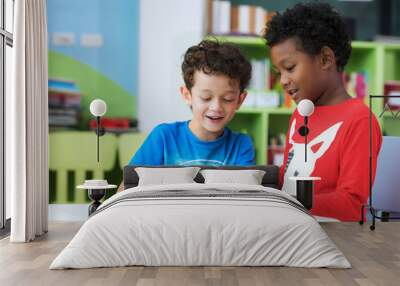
<point>295,165</point>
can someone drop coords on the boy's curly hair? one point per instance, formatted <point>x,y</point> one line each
<point>213,57</point>
<point>314,25</point>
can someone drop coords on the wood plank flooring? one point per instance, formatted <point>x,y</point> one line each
<point>374,255</point>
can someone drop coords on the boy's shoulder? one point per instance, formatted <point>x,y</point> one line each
<point>170,128</point>
<point>357,108</point>
<point>238,136</point>
<point>352,107</point>
<point>179,128</point>
<point>170,125</point>
<point>237,133</point>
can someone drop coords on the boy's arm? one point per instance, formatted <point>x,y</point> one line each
<point>151,153</point>
<point>121,187</point>
<point>352,189</point>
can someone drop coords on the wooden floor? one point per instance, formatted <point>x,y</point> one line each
<point>374,255</point>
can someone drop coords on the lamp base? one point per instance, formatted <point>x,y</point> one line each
<point>95,195</point>
<point>305,193</point>
<point>96,190</point>
<point>305,190</point>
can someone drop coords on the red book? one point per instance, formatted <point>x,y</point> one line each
<point>392,87</point>
<point>111,123</point>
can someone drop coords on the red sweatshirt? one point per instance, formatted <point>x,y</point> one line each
<point>338,152</point>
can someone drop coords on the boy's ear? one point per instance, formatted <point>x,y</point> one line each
<point>327,58</point>
<point>242,97</point>
<point>186,95</point>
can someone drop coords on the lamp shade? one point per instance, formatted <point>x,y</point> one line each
<point>98,107</point>
<point>305,107</point>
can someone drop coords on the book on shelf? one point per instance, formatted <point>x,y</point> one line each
<point>387,39</point>
<point>276,150</point>
<point>287,101</point>
<point>70,111</point>
<point>248,19</point>
<point>261,98</point>
<point>64,116</point>
<point>264,89</point>
<point>244,19</point>
<point>260,74</point>
<point>61,120</point>
<point>356,84</point>
<point>62,86</point>
<point>225,18</point>
<point>234,19</point>
<point>64,100</point>
<point>220,17</point>
<point>59,99</point>
<point>115,125</point>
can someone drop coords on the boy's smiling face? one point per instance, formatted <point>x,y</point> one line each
<point>300,74</point>
<point>214,100</point>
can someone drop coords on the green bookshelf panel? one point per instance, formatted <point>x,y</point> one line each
<point>254,123</point>
<point>392,63</point>
<point>252,47</point>
<point>380,62</point>
<point>391,122</point>
<point>277,124</point>
<point>363,59</point>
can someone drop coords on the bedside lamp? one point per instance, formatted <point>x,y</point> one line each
<point>97,188</point>
<point>98,108</point>
<point>305,185</point>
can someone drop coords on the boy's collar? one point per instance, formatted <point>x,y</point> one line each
<point>198,140</point>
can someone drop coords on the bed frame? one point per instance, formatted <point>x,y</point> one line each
<point>270,179</point>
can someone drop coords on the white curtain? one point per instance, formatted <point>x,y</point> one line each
<point>27,123</point>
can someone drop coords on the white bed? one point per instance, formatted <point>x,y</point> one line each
<point>201,224</point>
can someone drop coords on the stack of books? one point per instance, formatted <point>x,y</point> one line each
<point>64,103</point>
<point>276,149</point>
<point>225,18</point>
<point>356,84</point>
<point>260,74</point>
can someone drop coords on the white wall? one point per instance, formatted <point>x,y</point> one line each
<point>167,30</point>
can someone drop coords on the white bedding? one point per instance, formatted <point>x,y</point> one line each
<point>189,230</point>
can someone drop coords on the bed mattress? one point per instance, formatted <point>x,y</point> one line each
<point>201,225</point>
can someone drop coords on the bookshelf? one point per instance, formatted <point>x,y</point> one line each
<point>64,104</point>
<point>391,59</point>
<point>378,60</point>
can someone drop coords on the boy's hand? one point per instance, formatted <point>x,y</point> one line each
<point>121,187</point>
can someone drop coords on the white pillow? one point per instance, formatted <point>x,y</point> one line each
<point>248,177</point>
<point>165,176</point>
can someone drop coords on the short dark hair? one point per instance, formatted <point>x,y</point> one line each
<point>214,57</point>
<point>313,25</point>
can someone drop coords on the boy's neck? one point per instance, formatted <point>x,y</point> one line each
<point>334,94</point>
<point>203,134</point>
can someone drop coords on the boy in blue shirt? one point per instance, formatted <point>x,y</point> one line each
<point>215,75</point>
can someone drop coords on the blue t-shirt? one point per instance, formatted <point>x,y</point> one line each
<point>175,144</point>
